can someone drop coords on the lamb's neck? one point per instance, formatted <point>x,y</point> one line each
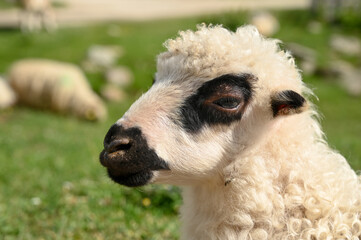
<point>218,211</point>
<point>246,206</point>
<point>241,203</point>
<point>203,209</point>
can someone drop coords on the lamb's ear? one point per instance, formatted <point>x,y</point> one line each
<point>287,103</point>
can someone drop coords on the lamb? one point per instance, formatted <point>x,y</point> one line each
<point>36,14</point>
<point>228,119</point>
<point>58,86</point>
<point>7,95</point>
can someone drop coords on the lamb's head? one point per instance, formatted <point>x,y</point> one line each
<point>215,93</point>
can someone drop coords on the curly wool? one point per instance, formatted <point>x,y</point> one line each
<point>57,86</point>
<point>288,183</point>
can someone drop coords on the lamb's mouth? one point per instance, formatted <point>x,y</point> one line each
<point>136,179</point>
<point>130,171</point>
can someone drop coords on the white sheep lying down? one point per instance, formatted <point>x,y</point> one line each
<point>58,86</point>
<point>7,95</point>
<point>228,120</point>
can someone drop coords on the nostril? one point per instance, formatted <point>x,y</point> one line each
<point>116,145</point>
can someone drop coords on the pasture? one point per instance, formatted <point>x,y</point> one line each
<point>52,185</point>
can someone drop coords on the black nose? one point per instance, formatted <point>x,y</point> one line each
<point>117,139</point>
<point>128,158</point>
<point>122,144</point>
<point>120,148</point>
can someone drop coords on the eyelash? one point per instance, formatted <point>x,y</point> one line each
<point>228,103</point>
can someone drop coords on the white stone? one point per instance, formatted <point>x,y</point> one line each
<point>346,44</point>
<point>104,56</point>
<point>349,77</point>
<point>36,201</point>
<point>120,76</point>
<point>113,93</point>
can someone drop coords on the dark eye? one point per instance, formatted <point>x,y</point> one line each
<point>227,102</point>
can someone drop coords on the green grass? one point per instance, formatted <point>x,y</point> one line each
<point>6,5</point>
<point>54,159</point>
<point>51,183</point>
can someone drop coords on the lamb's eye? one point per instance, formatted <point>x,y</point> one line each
<point>227,102</point>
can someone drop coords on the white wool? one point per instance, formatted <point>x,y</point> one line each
<point>7,95</point>
<point>263,177</point>
<point>61,87</point>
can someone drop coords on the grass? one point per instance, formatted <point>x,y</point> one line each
<point>6,4</point>
<point>51,183</point>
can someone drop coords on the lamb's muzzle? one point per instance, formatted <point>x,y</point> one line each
<point>128,158</point>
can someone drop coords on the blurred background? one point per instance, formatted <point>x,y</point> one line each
<point>70,68</point>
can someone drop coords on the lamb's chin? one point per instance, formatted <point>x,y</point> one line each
<point>137,179</point>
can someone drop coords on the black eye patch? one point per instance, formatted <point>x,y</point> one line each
<point>219,101</point>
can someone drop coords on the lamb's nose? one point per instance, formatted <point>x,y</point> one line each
<point>119,144</point>
<point>118,140</point>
